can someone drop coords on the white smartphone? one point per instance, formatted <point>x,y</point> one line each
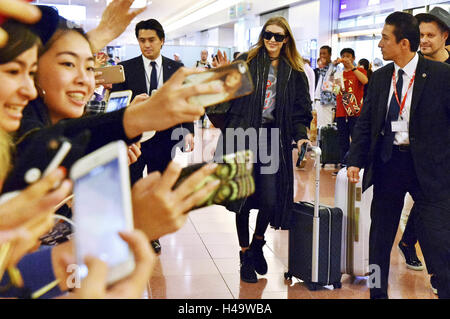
<point>118,100</point>
<point>102,208</point>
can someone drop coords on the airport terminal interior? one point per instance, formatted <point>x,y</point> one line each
<point>200,261</point>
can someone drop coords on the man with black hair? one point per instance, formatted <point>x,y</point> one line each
<point>401,140</point>
<point>145,74</point>
<point>434,34</point>
<point>325,101</point>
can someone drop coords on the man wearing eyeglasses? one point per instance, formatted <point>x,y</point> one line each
<point>325,101</point>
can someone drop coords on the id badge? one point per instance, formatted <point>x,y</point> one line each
<point>399,126</point>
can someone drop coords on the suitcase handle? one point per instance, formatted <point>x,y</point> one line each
<point>318,152</point>
<point>316,221</point>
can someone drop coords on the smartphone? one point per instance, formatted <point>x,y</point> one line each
<point>235,171</point>
<point>112,74</point>
<point>102,208</point>
<point>301,154</point>
<point>235,77</point>
<point>118,100</point>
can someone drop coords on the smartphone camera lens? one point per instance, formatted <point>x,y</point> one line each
<point>241,68</point>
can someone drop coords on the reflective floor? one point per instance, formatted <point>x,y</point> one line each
<point>201,260</point>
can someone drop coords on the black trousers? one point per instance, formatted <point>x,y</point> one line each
<point>410,238</point>
<point>265,197</point>
<point>392,180</point>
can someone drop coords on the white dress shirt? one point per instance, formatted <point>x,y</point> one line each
<point>403,137</point>
<point>148,71</point>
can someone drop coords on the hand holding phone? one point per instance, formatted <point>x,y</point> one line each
<point>235,77</point>
<point>235,174</point>
<point>95,285</point>
<point>111,74</point>
<point>159,209</point>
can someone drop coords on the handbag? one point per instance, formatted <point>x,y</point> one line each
<point>350,104</point>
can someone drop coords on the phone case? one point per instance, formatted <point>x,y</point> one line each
<point>235,77</point>
<point>235,173</point>
<point>112,74</point>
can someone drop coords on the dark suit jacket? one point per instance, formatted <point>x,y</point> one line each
<point>156,152</point>
<point>429,127</point>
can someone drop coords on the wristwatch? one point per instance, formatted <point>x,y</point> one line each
<point>354,69</point>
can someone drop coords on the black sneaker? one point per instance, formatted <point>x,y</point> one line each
<point>247,270</point>
<point>411,259</point>
<point>433,283</point>
<point>156,246</point>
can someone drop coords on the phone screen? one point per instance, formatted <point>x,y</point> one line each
<point>99,216</point>
<point>116,103</point>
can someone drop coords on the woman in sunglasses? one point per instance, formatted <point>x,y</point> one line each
<point>279,111</point>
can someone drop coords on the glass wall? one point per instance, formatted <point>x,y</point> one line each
<point>359,23</point>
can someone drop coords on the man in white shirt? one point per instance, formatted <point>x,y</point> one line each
<point>146,74</point>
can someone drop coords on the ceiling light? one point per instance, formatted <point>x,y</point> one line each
<point>359,33</point>
<point>136,3</point>
<point>199,14</point>
<point>69,11</point>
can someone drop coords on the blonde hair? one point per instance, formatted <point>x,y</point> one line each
<point>6,147</point>
<point>289,49</point>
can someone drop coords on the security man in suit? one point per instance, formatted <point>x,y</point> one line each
<point>143,75</point>
<point>402,140</point>
<point>434,34</point>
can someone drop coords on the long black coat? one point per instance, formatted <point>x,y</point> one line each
<point>292,116</point>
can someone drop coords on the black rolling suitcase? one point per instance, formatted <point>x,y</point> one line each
<point>329,144</point>
<point>315,238</point>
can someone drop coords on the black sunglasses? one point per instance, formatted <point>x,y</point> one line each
<point>278,37</point>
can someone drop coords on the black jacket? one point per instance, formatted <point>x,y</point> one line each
<point>136,81</point>
<point>429,127</point>
<point>292,116</point>
<point>86,134</point>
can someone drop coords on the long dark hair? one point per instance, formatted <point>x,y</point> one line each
<point>366,65</point>
<point>20,39</point>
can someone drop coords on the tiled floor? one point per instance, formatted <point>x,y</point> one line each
<point>201,260</point>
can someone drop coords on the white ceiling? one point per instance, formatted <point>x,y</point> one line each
<point>159,9</point>
<point>164,10</point>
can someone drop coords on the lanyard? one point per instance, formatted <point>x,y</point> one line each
<point>394,82</point>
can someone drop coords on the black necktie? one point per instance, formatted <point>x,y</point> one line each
<point>393,112</point>
<point>153,78</point>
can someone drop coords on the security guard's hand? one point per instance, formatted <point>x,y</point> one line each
<point>353,174</point>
